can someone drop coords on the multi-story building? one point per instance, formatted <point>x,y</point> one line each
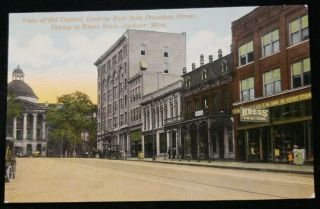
<point>28,130</point>
<point>138,63</point>
<point>206,129</point>
<point>160,110</point>
<point>272,85</point>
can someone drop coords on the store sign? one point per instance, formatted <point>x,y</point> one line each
<point>278,102</point>
<point>251,114</point>
<point>198,113</point>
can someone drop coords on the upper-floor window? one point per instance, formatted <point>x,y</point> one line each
<point>204,74</point>
<point>299,30</point>
<point>187,81</point>
<point>125,50</point>
<point>165,51</point>
<point>246,53</point>
<point>166,67</point>
<point>143,49</point>
<point>301,73</point>
<point>109,64</point>
<point>271,82</point>
<point>114,60</point>
<point>247,89</point>
<point>224,66</point>
<point>270,43</point>
<point>120,56</point>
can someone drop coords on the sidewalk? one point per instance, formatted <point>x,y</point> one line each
<point>271,167</point>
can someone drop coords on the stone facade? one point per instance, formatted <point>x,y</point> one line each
<point>138,63</point>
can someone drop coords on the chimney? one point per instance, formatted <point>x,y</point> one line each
<point>201,60</point>
<point>210,58</point>
<point>193,66</point>
<point>219,53</point>
<point>184,71</point>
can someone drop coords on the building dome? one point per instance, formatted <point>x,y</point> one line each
<point>18,70</point>
<point>19,88</point>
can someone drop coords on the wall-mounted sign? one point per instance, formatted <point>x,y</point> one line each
<point>251,114</point>
<point>198,113</point>
<point>278,102</point>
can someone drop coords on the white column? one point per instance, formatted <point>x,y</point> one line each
<point>43,127</point>
<point>179,105</point>
<point>177,143</point>
<point>160,117</point>
<point>128,145</point>
<point>25,126</point>
<point>14,128</point>
<point>143,119</point>
<point>158,143</point>
<point>156,117</point>
<point>150,118</point>
<point>118,139</point>
<point>168,108</point>
<point>34,129</point>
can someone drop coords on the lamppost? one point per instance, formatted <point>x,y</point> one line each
<point>61,154</point>
<point>152,120</point>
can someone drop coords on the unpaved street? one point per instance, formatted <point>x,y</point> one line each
<point>79,180</point>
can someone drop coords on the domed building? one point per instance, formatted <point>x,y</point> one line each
<point>29,130</point>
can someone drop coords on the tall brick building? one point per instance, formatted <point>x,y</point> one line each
<point>270,49</point>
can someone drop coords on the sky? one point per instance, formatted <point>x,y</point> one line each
<point>57,50</point>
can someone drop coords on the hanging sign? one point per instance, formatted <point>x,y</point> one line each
<point>251,114</point>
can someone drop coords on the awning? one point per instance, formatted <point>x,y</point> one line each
<point>143,65</point>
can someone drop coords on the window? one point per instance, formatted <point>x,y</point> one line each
<point>271,82</point>
<point>247,89</point>
<point>204,74</point>
<point>165,51</point>
<point>246,53</point>
<point>125,117</point>
<point>301,73</point>
<point>125,48</point>
<point>299,30</point>
<point>120,56</point>
<point>143,49</point>
<point>114,60</point>
<point>187,81</point>
<point>224,66</point>
<point>205,102</point>
<point>166,67</point>
<point>270,43</point>
<point>109,64</point>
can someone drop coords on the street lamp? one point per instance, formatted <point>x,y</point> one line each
<point>152,119</point>
<point>61,154</point>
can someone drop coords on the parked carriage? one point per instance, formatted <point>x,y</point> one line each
<point>10,162</point>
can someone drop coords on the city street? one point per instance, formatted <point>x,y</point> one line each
<point>79,180</point>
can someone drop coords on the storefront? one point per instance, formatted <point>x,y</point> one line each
<point>289,125</point>
<point>135,143</point>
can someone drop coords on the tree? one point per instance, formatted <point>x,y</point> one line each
<point>71,116</point>
<point>13,107</point>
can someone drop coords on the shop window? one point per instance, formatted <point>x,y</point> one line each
<point>247,89</point>
<point>270,43</point>
<point>271,82</point>
<point>299,30</point>
<point>230,139</point>
<point>301,73</point>
<point>246,53</point>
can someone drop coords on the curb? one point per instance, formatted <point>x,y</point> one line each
<point>228,167</point>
